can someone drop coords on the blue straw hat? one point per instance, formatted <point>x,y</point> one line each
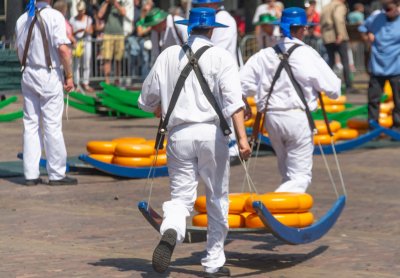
<point>292,17</point>
<point>201,18</point>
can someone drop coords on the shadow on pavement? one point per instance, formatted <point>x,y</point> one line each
<point>265,263</point>
<point>144,266</point>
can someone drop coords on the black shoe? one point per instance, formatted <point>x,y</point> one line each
<point>33,182</point>
<point>222,272</point>
<point>163,252</point>
<point>65,181</point>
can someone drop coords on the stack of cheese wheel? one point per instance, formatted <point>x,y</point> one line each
<point>385,113</point>
<point>291,209</point>
<point>323,136</point>
<point>127,151</point>
<point>334,105</point>
<point>101,150</point>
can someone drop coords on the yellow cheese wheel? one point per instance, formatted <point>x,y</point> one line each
<point>334,108</point>
<point>322,129</point>
<point>386,107</point>
<point>107,158</point>
<point>346,134</point>
<point>251,101</point>
<point>388,90</point>
<point>357,123</point>
<point>295,220</point>
<point>323,139</point>
<point>234,220</point>
<point>152,143</point>
<point>249,122</point>
<point>100,147</point>
<point>386,122</point>
<point>236,203</point>
<point>133,150</point>
<point>329,101</point>
<point>161,159</point>
<point>133,161</point>
<point>131,140</point>
<point>281,202</point>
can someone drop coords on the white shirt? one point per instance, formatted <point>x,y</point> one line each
<point>169,37</point>
<point>226,37</point>
<point>218,68</point>
<point>81,24</point>
<point>311,72</point>
<point>56,34</point>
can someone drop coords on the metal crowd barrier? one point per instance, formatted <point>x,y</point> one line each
<point>248,46</point>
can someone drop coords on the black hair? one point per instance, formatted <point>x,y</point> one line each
<point>200,31</point>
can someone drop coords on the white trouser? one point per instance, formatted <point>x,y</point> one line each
<point>43,108</point>
<point>85,60</point>
<point>193,151</point>
<point>292,141</point>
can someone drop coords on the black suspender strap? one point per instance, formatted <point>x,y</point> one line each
<point>191,65</point>
<point>207,92</point>
<point>44,39</point>
<point>27,43</point>
<point>284,57</point>
<point>37,18</point>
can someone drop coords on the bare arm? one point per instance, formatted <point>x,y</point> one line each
<point>238,124</point>
<point>65,57</point>
<point>121,9</point>
<point>103,9</point>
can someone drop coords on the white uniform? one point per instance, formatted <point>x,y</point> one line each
<point>286,120</point>
<point>43,94</point>
<point>196,145</point>
<point>169,37</point>
<point>87,54</point>
<point>227,39</point>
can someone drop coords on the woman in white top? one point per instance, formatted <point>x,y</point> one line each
<point>82,26</point>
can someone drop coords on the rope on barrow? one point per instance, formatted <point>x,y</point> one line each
<point>328,169</point>
<point>154,172</point>
<point>338,167</point>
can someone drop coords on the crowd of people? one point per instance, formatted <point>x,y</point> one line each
<point>121,27</point>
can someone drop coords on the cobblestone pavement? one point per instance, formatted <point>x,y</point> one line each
<point>95,229</point>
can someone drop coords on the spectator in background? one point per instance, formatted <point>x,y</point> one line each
<point>382,31</point>
<point>266,37</point>
<point>356,16</point>
<point>82,26</point>
<point>62,7</point>
<point>240,22</point>
<point>313,34</point>
<point>335,37</point>
<point>164,31</point>
<point>185,7</point>
<point>313,17</point>
<point>140,60</point>
<point>113,13</point>
<point>268,7</point>
<point>98,24</point>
